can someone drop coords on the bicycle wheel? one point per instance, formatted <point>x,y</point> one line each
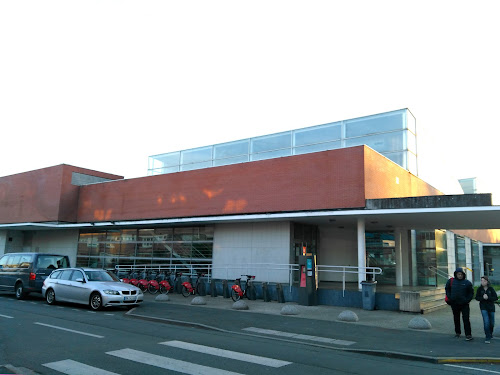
<point>152,289</point>
<point>185,292</point>
<point>142,287</point>
<point>163,290</point>
<point>235,296</point>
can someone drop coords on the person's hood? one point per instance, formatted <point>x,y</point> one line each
<point>460,269</point>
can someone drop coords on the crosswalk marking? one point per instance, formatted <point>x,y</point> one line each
<point>299,336</point>
<point>6,316</point>
<point>271,362</point>
<point>71,367</point>
<point>69,330</point>
<point>168,363</point>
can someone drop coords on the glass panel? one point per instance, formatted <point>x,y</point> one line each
<point>381,142</point>
<point>82,261</point>
<point>460,258</point>
<point>229,161</point>
<point>181,250</point>
<point>164,234</point>
<point>411,122</point>
<point>441,257</point>
<point>396,157</point>
<point>318,134</point>
<point>426,257</point>
<point>270,155</point>
<point>202,250</point>
<point>231,149</point>
<point>162,250</point>
<point>380,252</point>
<point>196,155</point>
<point>411,142</point>
<point>271,142</point>
<point>129,235</point>
<point>127,249</point>
<point>374,124</point>
<point>317,147</point>
<point>183,234</point>
<point>166,160</point>
<point>203,233</point>
<point>191,167</point>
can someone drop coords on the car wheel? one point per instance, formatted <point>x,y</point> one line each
<point>95,301</point>
<point>50,297</point>
<point>20,294</point>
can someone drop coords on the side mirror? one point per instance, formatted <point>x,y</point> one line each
<point>80,280</point>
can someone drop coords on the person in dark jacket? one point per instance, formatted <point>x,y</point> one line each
<point>487,296</point>
<point>460,292</point>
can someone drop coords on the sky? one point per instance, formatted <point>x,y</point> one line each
<point>105,84</point>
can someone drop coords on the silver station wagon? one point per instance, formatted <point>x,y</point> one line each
<point>97,288</point>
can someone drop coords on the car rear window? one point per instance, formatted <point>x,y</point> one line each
<point>52,261</point>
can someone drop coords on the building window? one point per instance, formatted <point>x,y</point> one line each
<point>158,246</point>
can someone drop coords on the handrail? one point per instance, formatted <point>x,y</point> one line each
<point>439,272</point>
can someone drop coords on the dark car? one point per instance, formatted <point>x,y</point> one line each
<point>24,273</point>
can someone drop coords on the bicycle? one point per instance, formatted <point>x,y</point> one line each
<point>187,287</point>
<point>237,292</point>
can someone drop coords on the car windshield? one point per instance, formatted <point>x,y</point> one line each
<point>100,276</point>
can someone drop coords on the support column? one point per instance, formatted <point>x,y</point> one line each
<point>3,241</point>
<point>481,259</point>
<point>399,256</point>
<point>361,252</point>
<point>414,271</point>
<point>450,242</point>
<point>468,259</point>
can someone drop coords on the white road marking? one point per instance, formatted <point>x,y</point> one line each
<point>34,303</point>
<point>110,314</point>
<point>69,330</point>
<point>91,312</point>
<point>271,362</point>
<point>71,367</point>
<point>168,363</point>
<point>6,316</point>
<point>473,368</point>
<point>299,336</point>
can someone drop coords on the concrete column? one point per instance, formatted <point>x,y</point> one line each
<point>414,274</point>
<point>3,241</point>
<point>468,259</point>
<point>399,256</point>
<point>481,259</point>
<point>450,247</point>
<point>361,252</point>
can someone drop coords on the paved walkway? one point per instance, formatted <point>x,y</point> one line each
<point>377,332</point>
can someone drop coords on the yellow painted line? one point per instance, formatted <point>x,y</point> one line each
<point>469,360</point>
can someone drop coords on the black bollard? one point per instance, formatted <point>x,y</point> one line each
<point>225,290</point>
<point>213,288</point>
<point>265,292</point>
<point>279,291</point>
<point>202,288</point>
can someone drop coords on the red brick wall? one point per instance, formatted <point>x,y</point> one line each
<point>385,179</point>
<point>325,180</point>
<point>42,195</point>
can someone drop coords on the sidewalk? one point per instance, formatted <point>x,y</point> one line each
<point>377,332</point>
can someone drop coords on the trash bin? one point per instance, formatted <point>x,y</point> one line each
<point>368,289</point>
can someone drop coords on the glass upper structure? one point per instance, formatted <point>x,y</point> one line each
<point>392,134</point>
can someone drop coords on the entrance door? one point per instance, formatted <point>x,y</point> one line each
<point>381,252</point>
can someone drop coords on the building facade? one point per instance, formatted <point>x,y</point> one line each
<point>254,212</point>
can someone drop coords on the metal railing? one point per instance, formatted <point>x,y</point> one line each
<point>261,269</point>
<point>350,270</point>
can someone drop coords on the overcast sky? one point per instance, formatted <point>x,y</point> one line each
<point>105,84</point>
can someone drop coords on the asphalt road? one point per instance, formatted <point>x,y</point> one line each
<point>71,339</point>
